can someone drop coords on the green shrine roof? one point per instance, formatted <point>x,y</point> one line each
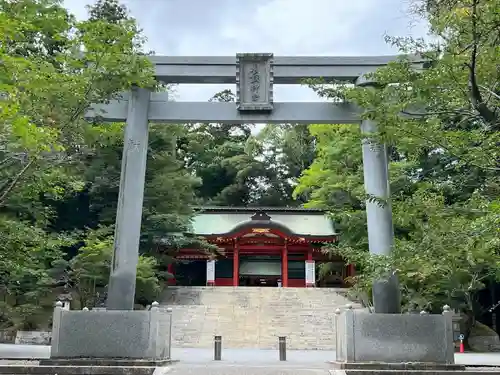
<point>303,222</point>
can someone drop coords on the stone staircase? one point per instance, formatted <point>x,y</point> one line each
<point>254,317</point>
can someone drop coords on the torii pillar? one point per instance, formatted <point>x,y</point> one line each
<point>386,294</point>
<point>121,288</point>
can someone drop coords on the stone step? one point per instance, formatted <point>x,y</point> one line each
<point>253,317</point>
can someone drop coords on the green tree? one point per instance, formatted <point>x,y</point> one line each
<point>334,181</point>
<point>53,67</point>
<point>216,155</point>
<point>441,126</point>
<point>47,91</point>
<point>90,270</point>
<point>29,271</point>
<point>284,150</point>
<point>238,168</point>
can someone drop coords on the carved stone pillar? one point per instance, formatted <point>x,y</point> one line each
<point>121,290</point>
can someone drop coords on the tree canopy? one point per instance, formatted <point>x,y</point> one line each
<point>60,173</point>
<point>441,124</point>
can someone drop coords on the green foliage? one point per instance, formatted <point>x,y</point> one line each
<point>90,270</point>
<point>53,67</point>
<point>60,174</point>
<point>216,155</point>
<point>30,266</point>
<point>334,181</point>
<point>284,151</point>
<point>240,167</point>
<point>441,125</point>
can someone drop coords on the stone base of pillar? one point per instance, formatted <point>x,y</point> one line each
<point>396,368</point>
<point>111,334</point>
<point>387,296</point>
<point>92,362</point>
<point>424,339</point>
<point>210,283</point>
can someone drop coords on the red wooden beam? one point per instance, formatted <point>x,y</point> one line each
<point>291,239</point>
<point>269,248</point>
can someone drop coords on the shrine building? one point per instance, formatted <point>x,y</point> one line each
<point>261,247</point>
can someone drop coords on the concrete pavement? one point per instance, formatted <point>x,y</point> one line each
<point>24,351</point>
<point>244,356</point>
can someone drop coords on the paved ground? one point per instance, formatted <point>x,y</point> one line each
<point>245,356</point>
<point>24,351</point>
<point>239,369</point>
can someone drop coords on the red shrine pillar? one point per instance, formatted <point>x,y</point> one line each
<point>284,265</point>
<point>351,270</point>
<point>236,263</point>
<point>170,269</point>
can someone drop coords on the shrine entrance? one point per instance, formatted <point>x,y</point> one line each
<point>277,247</point>
<point>255,75</point>
<point>190,272</point>
<point>263,270</point>
<point>261,280</point>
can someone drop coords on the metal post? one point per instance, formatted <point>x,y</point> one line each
<point>121,289</point>
<point>217,348</point>
<point>282,347</point>
<point>386,295</point>
<point>171,315</point>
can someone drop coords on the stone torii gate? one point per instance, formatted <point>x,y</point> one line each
<point>255,76</point>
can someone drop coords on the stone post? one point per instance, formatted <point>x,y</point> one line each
<point>154,330</point>
<point>121,289</point>
<point>336,332</point>
<point>344,331</point>
<point>386,294</point>
<point>56,328</point>
<point>169,342</point>
<point>449,339</point>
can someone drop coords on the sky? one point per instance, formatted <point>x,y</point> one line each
<point>282,27</point>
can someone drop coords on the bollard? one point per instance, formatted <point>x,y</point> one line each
<point>169,353</point>
<point>217,348</point>
<point>282,347</point>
